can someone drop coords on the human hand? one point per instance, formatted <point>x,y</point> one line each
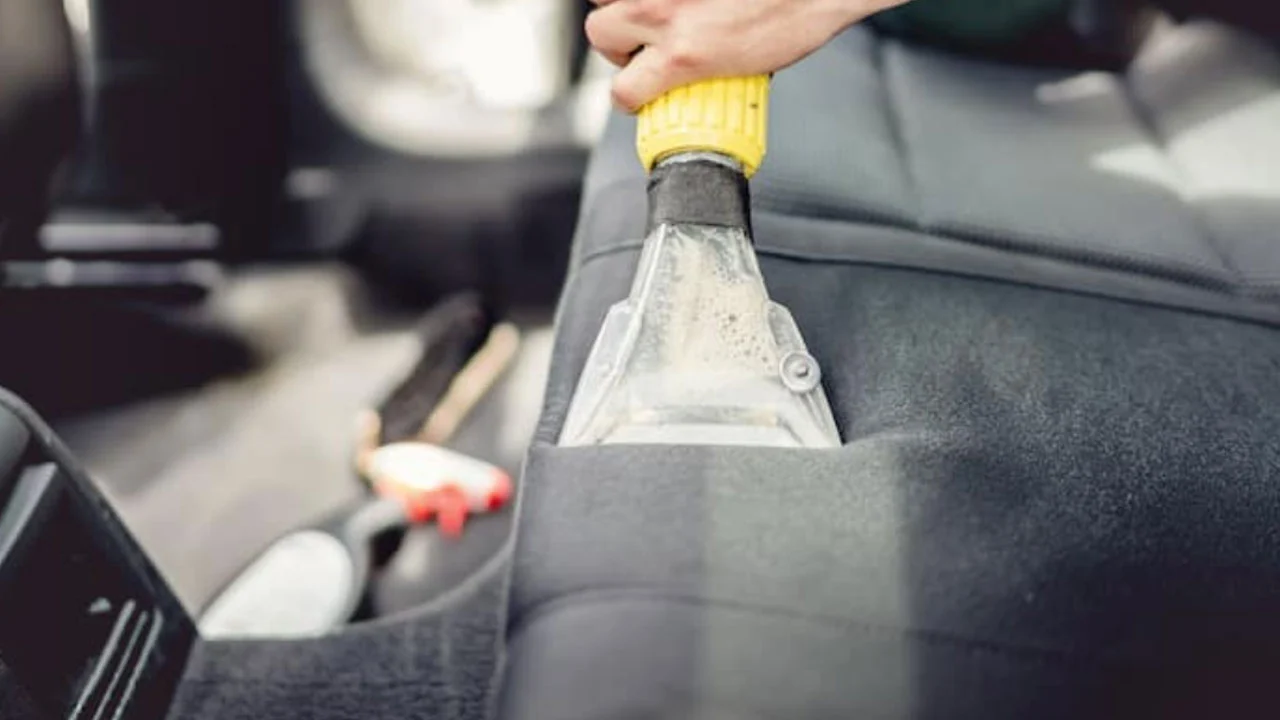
<point>664,44</point>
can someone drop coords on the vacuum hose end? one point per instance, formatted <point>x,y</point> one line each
<point>725,115</point>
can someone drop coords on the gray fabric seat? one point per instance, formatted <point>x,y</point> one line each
<point>1045,306</point>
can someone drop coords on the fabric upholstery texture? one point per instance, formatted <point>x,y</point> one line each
<point>1044,308</point>
<point>1083,486</point>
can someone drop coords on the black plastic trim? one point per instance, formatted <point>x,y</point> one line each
<point>88,628</point>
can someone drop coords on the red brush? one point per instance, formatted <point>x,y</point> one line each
<point>432,481</point>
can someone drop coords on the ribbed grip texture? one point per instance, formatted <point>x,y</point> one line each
<point>728,116</point>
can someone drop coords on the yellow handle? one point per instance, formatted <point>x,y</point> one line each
<point>728,116</point>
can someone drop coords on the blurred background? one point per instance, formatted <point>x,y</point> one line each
<point>252,206</point>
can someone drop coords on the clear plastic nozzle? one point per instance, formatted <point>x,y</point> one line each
<point>699,355</point>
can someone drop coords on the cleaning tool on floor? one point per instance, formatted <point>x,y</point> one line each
<point>431,481</point>
<point>698,354</point>
<point>311,581</point>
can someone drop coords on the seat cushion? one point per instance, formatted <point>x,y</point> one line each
<point>1048,505</point>
<point>1058,489</point>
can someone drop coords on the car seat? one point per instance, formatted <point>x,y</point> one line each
<point>1046,304</point>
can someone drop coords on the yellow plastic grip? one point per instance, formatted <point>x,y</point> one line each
<point>728,115</point>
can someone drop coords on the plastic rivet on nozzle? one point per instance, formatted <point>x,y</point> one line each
<point>800,372</point>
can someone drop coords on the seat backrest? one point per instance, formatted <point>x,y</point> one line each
<point>38,103</point>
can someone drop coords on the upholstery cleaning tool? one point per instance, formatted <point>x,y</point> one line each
<point>312,581</point>
<point>430,480</point>
<point>698,354</point>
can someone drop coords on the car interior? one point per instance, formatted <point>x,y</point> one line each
<point>1041,277</point>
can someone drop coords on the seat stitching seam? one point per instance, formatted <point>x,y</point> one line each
<point>1193,275</point>
<point>1084,254</point>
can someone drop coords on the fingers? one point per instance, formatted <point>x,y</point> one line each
<point>647,76</point>
<point>614,34</point>
<point>616,59</point>
<point>621,30</point>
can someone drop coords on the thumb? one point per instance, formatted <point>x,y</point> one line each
<point>649,74</point>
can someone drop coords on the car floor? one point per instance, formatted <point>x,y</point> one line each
<point>209,475</point>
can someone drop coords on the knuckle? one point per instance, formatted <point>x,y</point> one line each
<point>685,57</point>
